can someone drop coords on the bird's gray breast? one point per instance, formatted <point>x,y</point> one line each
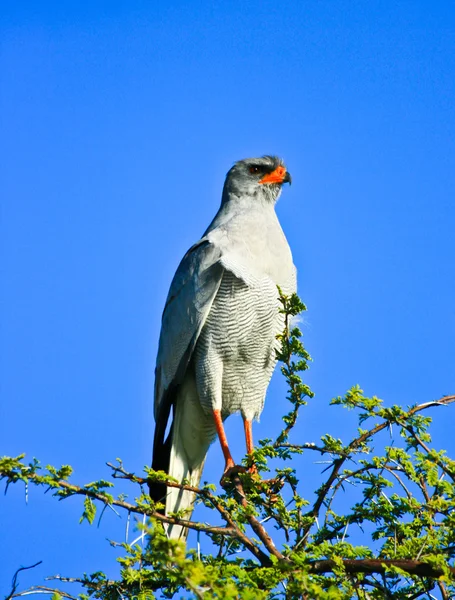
<point>235,354</point>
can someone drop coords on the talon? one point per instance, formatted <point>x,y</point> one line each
<point>231,472</point>
<point>229,465</point>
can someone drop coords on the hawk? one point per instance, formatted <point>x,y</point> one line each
<point>217,347</point>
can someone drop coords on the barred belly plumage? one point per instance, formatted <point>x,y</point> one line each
<point>235,353</point>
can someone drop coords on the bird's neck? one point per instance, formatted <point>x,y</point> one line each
<point>256,200</point>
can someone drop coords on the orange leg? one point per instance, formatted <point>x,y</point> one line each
<point>223,440</point>
<point>249,440</point>
<point>248,436</point>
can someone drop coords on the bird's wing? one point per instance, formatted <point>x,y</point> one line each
<point>190,298</point>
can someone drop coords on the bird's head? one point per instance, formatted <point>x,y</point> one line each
<point>261,177</point>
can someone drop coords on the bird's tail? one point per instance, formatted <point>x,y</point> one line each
<point>191,435</point>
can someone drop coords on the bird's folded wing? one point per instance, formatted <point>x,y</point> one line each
<point>190,298</point>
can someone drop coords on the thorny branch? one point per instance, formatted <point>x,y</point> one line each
<point>15,583</point>
<point>292,306</point>
<point>232,531</point>
<point>75,490</point>
<point>373,565</point>
<point>268,555</point>
<point>256,526</point>
<point>42,589</point>
<point>422,444</point>
<point>357,443</point>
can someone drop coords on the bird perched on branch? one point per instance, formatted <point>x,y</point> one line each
<point>218,336</point>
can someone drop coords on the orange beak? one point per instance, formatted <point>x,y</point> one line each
<point>279,175</point>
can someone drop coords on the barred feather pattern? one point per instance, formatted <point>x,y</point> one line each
<point>235,354</point>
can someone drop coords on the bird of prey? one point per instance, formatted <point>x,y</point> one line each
<point>217,344</point>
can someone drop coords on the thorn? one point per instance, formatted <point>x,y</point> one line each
<point>113,510</point>
<point>127,529</point>
<point>345,531</point>
<point>388,499</point>
<point>143,530</point>
<point>421,550</point>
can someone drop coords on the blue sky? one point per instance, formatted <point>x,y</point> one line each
<point>119,122</point>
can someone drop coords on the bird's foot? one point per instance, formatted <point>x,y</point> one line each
<point>231,471</point>
<point>230,464</point>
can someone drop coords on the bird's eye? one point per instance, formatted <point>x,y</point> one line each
<point>255,170</point>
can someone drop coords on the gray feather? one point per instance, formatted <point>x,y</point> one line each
<point>219,327</point>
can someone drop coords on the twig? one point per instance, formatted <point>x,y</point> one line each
<point>442,589</point>
<point>256,526</point>
<point>14,582</point>
<point>422,444</point>
<point>233,530</point>
<point>392,470</point>
<point>307,446</point>
<point>82,491</point>
<point>357,442</point>
<point>41,589</point>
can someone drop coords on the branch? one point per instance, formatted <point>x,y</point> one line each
<point>233,531</point>
<point>373,565</point>
<point>76,490</point>
<point>442,589</point>
<point>256,526</point>
<point>292,347</point>
<point>392,470</point>
<point>357,442</point>
<point>41,589</point>
<point>14,582</point>
<point>305,446</point>
<point>428,451</point>
<point>107,586</point>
